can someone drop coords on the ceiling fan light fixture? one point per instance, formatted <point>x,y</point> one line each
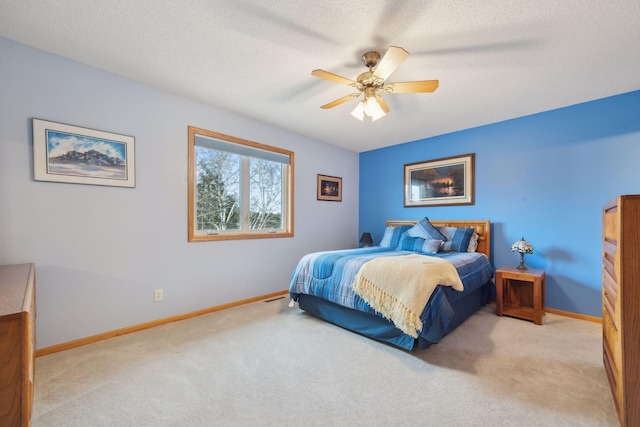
<point>373,109</point>
<point>358,112</point>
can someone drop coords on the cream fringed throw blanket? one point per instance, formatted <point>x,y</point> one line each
<point>399,287</point>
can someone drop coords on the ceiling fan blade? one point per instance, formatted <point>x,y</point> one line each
<point>333,77</point>
<point>412,87</point>
<point>393,57</point>
<point>341,100</point>
<point>382,103</point>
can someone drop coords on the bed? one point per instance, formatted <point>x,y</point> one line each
<point>323,282</point>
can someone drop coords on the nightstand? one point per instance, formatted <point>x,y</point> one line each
<point>520,293</point>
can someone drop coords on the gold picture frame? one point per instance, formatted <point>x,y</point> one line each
<point>329,188</point>
<point>440,182</point>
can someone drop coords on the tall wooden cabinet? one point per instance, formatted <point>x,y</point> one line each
<point>17,343</point>
<point>621,304</point>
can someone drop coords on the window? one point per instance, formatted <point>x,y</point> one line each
<point>238,189</point>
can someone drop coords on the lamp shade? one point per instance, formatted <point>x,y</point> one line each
<point>358,112</point>
<point>366,239</point>
<point>522,246</point>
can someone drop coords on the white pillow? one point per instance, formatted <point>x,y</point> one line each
<point>473,243</point>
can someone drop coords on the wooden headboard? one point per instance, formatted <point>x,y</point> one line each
<point>482,227</point>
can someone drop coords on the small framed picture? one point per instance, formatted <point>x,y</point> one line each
<point>329,188</point>
<point>75,155</point>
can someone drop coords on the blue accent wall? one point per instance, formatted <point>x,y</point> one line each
<point>544,177</point>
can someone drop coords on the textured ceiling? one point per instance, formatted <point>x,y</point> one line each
<point>495,60</point>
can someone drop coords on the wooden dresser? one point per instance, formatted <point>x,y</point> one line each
<point>621,304</point>
<point>17,343</point>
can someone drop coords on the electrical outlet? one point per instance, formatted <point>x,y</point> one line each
<point>157,295</point>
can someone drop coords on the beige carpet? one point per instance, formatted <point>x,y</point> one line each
<point>264,364</point>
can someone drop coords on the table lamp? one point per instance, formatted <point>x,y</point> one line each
<point>523,247</point>
<point>366,239</point>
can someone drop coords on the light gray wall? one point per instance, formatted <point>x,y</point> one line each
<point>101,251</point>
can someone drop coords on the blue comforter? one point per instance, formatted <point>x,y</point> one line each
<point>329,275</point>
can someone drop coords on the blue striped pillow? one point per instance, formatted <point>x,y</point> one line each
<point>392,235</point>
<point>425,230</point>
<point>457,239</point>
<point>418,244</point>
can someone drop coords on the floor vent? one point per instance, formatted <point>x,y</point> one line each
<point>273,299</point>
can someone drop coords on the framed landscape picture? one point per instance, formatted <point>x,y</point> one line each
<point>329,188</point>
<point>440,182</point>
<point>71,154</point>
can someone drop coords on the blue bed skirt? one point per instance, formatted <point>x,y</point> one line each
<point>381,329</point>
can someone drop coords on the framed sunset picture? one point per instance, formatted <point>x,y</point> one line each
<point>440,182</point>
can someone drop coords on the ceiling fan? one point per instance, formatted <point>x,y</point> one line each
<point>371,82</point>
